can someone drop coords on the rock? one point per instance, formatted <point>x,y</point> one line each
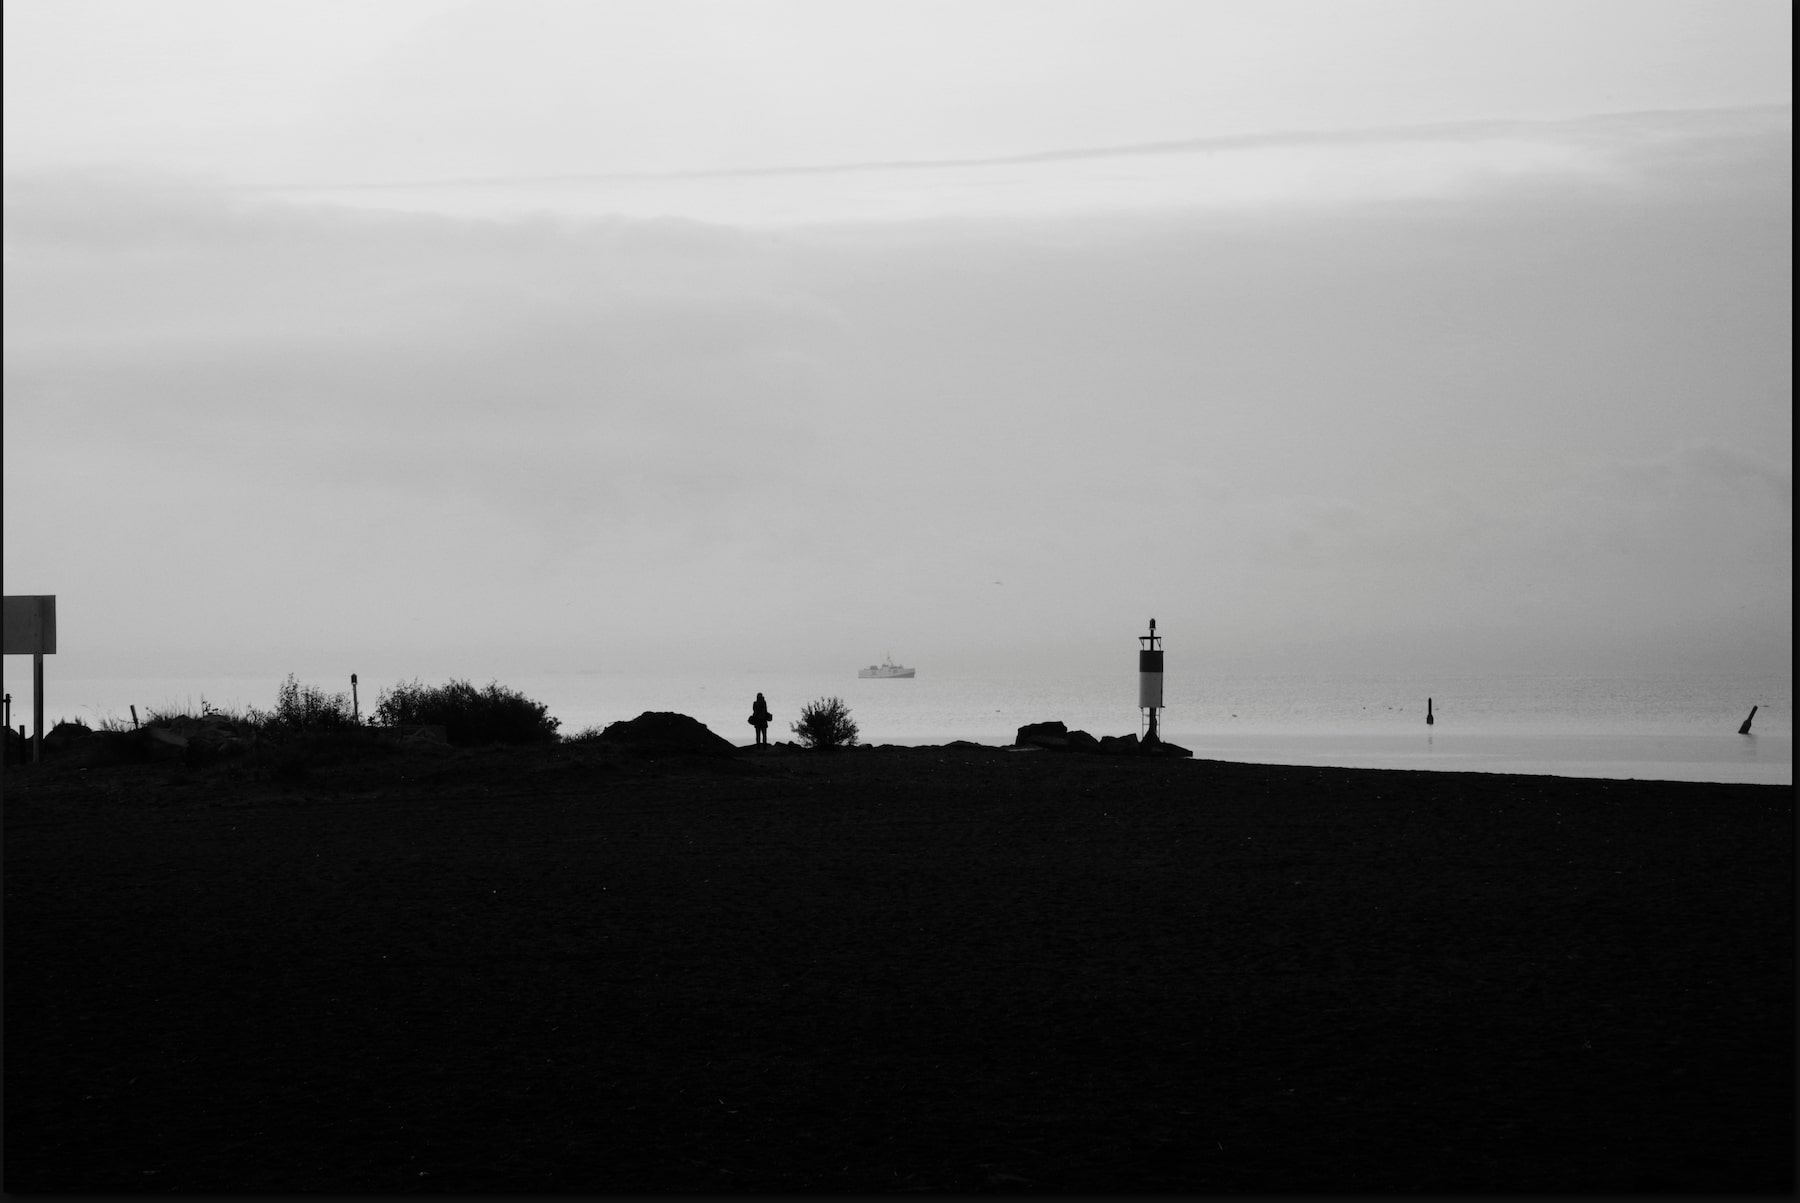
<point>189,726</point>
<point>119,747</point>
<point>1119,745</point>
<point>213,741</point>
<point>661,732</point>
<point>1043,735</point>
<point>156,743</point>
<point>65,740</point>
<point>1081,741</point>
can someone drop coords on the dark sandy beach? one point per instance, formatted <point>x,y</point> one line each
<point>937,969</point>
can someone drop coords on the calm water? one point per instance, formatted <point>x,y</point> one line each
<point>1668,728</point>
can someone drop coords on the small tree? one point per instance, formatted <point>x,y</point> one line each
<point>825,723</point>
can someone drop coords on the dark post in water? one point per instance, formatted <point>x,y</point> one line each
<point>1150,669</point>
<point>1745,729</point>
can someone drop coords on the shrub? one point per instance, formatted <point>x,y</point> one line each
<point>825,723</point>
<point>469,716</point>
<point>306,708</point>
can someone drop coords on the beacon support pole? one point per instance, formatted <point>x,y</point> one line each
<point>1150,674</point>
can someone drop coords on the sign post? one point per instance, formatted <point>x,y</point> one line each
<point>30,628</point>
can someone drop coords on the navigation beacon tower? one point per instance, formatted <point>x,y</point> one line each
<point>1150,669</point>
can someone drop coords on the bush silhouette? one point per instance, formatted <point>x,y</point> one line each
<point>469,716</point>
<point>825,723</point>
<point>302,708</point>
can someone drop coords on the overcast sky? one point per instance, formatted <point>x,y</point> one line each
<point>482,338</point>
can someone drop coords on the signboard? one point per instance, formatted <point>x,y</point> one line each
<point>31,625</point>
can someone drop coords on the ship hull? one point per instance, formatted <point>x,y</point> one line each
<point>883,674</point>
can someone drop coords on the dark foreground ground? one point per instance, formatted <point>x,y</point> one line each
<point>946,969</point>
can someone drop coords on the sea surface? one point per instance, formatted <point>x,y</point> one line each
<point>1675,728</point>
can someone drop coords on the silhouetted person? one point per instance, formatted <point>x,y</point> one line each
<point>759,718</point>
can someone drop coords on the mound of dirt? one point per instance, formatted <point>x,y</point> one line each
<point>662,732</point>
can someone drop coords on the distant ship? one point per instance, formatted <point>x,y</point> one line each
<point>887,668</point>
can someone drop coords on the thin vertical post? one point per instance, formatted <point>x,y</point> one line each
<point>37,706</point>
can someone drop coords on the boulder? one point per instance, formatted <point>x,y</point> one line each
<point>211,741</point>
<point>1119,745</point>
<point>188,725</point>
<point>65,740</point>
<point>156,743</point>
<point>117,747</point>
<point>1043,735</point>
<point>1081,741</point>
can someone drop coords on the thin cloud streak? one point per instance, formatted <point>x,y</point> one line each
<point>1428,134</point>
<point>1244,173</point>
